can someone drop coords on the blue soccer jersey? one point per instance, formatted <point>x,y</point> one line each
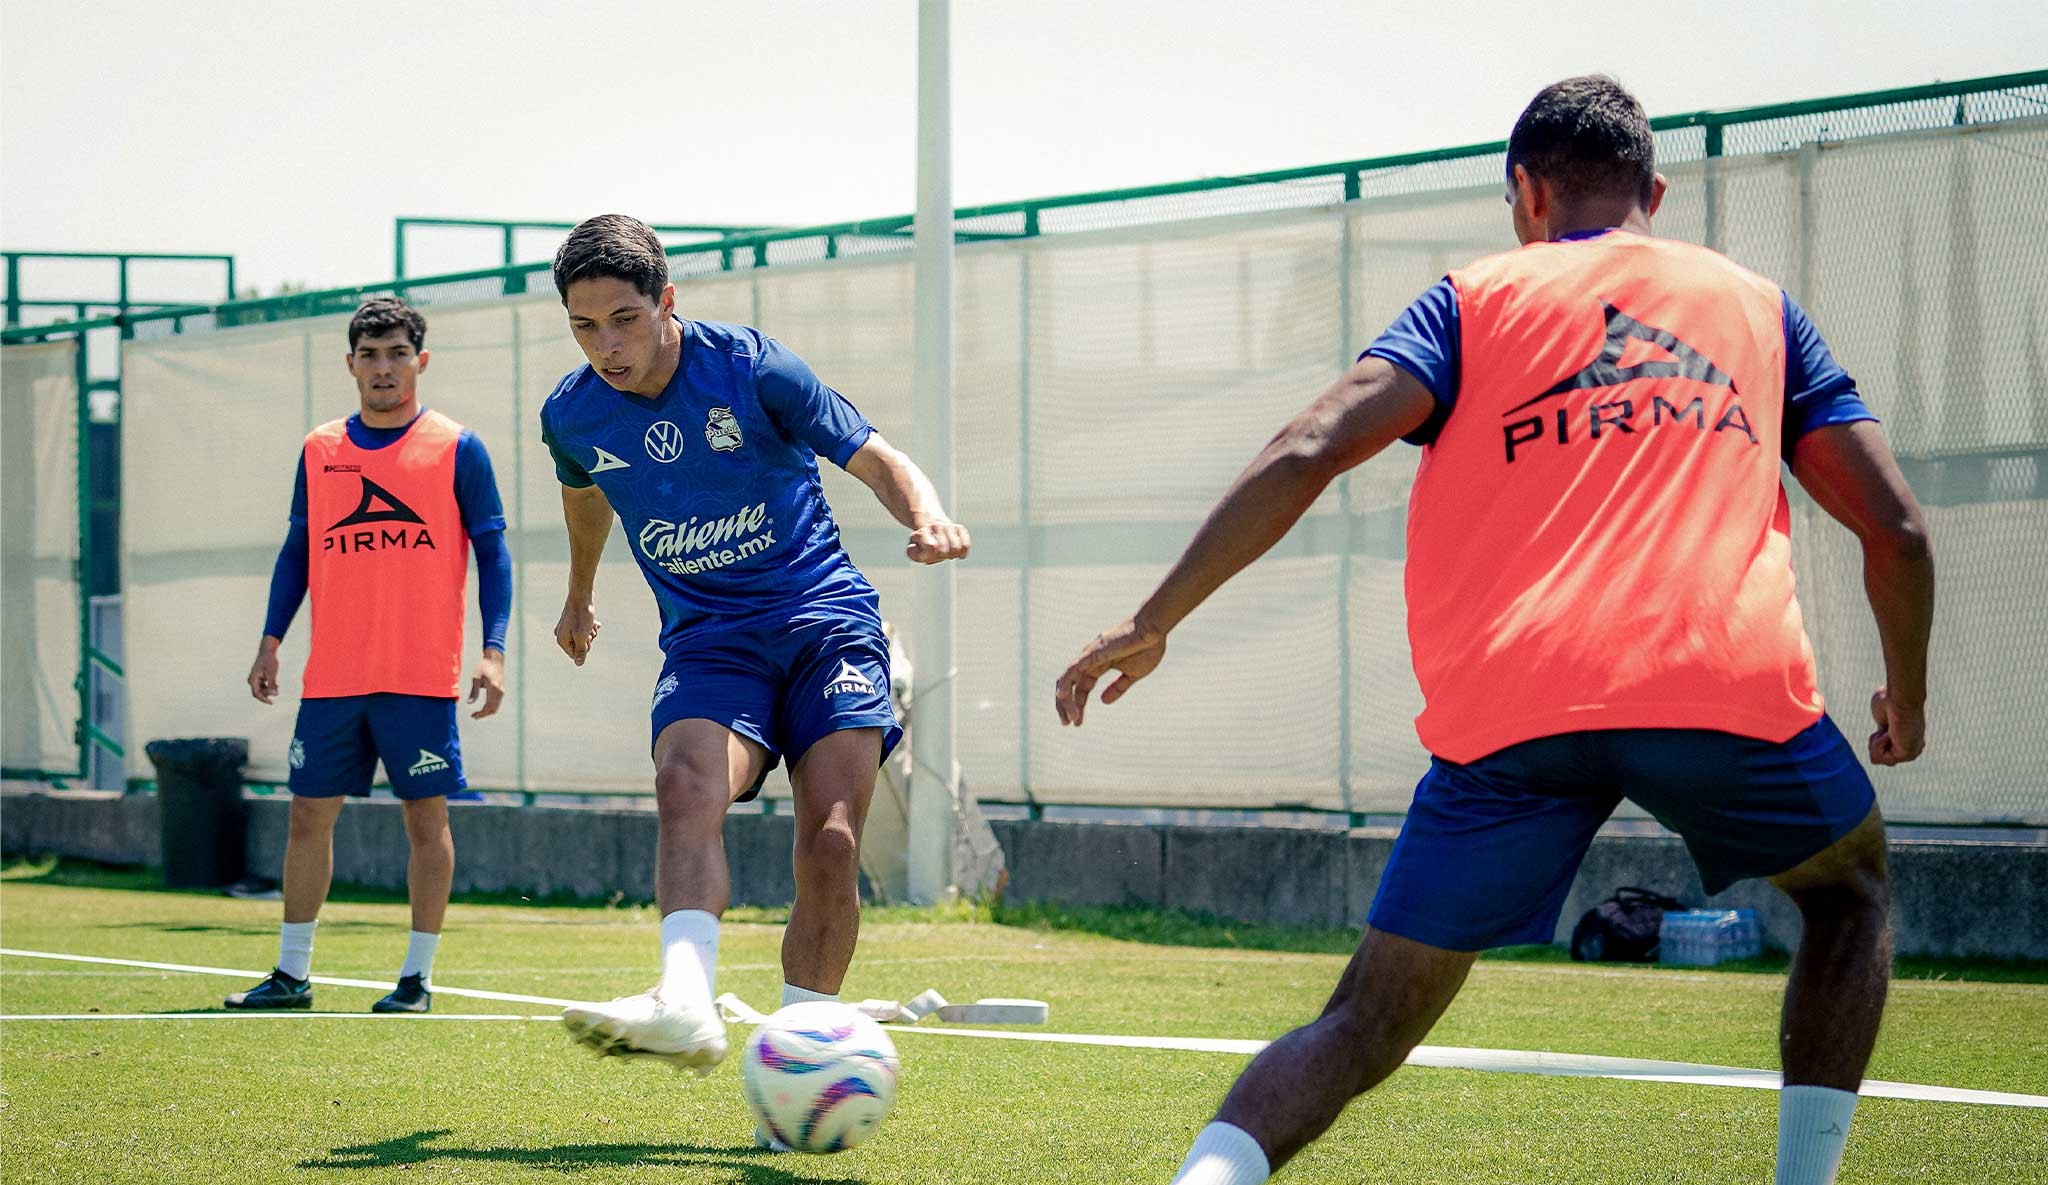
<point>716,478</point>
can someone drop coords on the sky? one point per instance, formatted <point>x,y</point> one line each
<point>290,134</point>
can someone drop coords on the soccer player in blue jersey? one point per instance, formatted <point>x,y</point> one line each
<point>383,505</point>
<point>704,439</point>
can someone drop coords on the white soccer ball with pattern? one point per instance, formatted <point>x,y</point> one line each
<point>820,1076</point>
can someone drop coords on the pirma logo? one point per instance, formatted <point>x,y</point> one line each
<point>381,508</point>
<point>298,754</point>
<point>664,442</point>
<point>662,689</point>
<point>722,430</point>
<point>1617,416</point>
<point>849,681</point>
<point>429,763</point>
<point>606,462</point>
<point>378,505</point>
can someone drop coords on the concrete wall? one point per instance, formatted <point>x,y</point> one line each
<point>1950,897</point>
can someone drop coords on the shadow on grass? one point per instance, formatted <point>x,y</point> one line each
<point>744,1162</point>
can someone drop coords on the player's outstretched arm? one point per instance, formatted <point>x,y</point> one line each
<point>1850,471</point>
<point>588,514</point>
<point>1373,405</point>
<point>908,494</point>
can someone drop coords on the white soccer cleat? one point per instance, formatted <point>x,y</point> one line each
<point>768,1143</point>
<point>648,1026</point>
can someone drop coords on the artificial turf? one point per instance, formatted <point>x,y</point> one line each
<point>408,1100</point>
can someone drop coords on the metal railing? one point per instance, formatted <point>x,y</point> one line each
<point>121,301</point>
<point>508,232</point>
<point>1690,136</point>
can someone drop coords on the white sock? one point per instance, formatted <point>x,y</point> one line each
<point>1813,1124</point>
<point>792,994</point>
<point>1224,1155</point>
<point>295,948</point>
<point>689,957</point>
<point>419,955</point>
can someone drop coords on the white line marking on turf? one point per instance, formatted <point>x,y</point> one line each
<point>282,1015</point>
<point>1509,1061</point>
<point>469,993</point>
<point>1518,1061</point>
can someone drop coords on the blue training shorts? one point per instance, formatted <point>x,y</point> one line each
<point>338,742</point>
<point>1489,849</point>
<point>785,683</point>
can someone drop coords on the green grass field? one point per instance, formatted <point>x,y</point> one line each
<point>352,1101</point>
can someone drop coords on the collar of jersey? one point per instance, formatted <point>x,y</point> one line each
<point>659,403</point>
<point>1581,235</point>
<point>363,436</point>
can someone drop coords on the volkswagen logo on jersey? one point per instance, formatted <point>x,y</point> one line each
<point>722,430</point>
<point>664,441</point>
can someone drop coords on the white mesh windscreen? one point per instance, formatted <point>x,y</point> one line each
<point>39,524</point>
<point>1109,384</point>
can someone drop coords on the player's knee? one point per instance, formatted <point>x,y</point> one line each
<point>427,831</point>
<point>682,791</point>
<point>1861,891</point>
<point>828,852</point>
<point>309,821</point>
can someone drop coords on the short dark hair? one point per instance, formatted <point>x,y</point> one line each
<point>1587,136</point>
<point>380,315</point>
<point>615,245</point>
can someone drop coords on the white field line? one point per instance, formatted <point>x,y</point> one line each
<point>279,1015</point>
<point>469,993</point>
<point>1509,1061</point>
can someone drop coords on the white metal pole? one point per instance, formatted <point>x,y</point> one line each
<point>931,635</point>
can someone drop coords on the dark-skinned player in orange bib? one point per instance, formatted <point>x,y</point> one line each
<point>1600,605</point>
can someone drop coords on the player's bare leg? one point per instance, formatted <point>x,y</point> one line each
<point>1387,1001</point>
<point>700,768</point>
<point>309,856</point>
<point>430,872</point>
<point>429,875</point>
<point>308,870</point>
<point>834,783</point>
<point>1834,1000</point>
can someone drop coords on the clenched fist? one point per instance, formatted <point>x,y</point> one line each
<point>937,543</point>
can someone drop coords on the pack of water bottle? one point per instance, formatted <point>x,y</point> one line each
<point>1704,937</point>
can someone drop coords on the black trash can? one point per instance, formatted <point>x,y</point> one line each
<point>199,803</point>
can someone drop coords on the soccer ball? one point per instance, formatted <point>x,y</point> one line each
<point>820,1076</point>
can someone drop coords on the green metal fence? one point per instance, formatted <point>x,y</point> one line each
<point>1696,137</point>
<point>98,438</point>
<point>508,233</point>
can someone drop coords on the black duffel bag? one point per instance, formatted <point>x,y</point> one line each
<point>1625,928</point>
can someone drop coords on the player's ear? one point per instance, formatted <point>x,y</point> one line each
<point>422,364</point>
<point>1658,185</point>
<point>668,300</point>
<point>349,360</point>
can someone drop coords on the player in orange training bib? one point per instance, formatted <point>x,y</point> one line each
<point>1600,605</point>
<point>388,504</point>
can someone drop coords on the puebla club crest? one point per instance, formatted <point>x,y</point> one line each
<point>722,430</point>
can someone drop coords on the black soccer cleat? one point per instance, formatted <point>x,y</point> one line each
<point>411,995</point>
<point>277,990</point>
